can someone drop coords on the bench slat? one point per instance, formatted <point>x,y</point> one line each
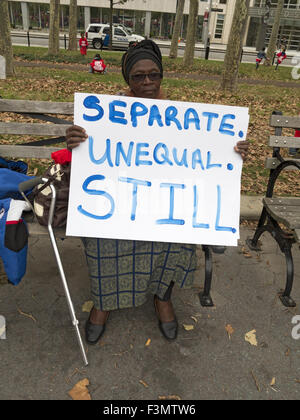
<point>282,141</point>
<point>37,152</point>
<point>284,210</point>
<point>272,163</point>
<point>285,121</point>
<point>281,201</point>
<point>39,107</point>
<point>35,129</point>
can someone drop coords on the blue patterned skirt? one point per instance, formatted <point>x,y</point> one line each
<point>123,272</point>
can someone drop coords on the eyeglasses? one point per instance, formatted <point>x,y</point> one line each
<point>138,78</point>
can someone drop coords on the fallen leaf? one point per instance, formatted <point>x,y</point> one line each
<point>229,330</point>
<point>246,253</point>
<point>80,392</point>
<point>143,383</point>
<point>148,342</point>
<point>169,397</point>
<point>188,327</point>
<point>255,381</point>
<point>28,315</point>
<point>250,337</point>
<point>87,306</point>
<point>273,381</point>
<point>194,318</point>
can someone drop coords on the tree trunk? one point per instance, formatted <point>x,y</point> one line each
<point>235,45</point>
<point>177,27</point>
<point>73,25</point>
<point>54,28</point>
<point>110,24</point>
<point>5,39</point>
<point>191,33</point>
<point>275,30</point>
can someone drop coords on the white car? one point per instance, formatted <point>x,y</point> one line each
<point>95,34</point>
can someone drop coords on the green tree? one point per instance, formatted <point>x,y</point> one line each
<point>53,48</point>
<point>5,39</point>
<point>235,45</point>
<point>177,27</point>
<point>191,33</point>
<point>275,30</point>
<point>73,25</point>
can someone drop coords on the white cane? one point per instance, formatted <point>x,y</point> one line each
<point>27,185</point>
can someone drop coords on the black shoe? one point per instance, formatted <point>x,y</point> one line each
<point>94,332</point>
<point>168,329</point>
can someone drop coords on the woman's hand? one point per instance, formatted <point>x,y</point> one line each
<point>242,148</point>
<point>74,136</point>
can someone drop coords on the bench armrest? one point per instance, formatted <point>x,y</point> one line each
<point>275,174</point>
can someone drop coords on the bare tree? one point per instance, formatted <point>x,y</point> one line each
<point>235,45</point>
<point>54,27</point>
<point>177,28</point>
<point>191,33</point>
<point>275,30</point>
<point>73,25</point>
<point>5,39</point>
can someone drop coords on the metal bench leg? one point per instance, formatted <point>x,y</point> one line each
<point>285,296</point>
<point>285,245</point>
<point>205,298</point>
<point>252,243</point>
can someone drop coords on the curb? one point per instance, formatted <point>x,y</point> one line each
<point>251,207</point>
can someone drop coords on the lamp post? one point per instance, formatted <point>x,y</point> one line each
<point>206,36</point>
<point>205,31</point>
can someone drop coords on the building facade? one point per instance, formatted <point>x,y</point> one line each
<point>261,18</point>
<point>155,18</point>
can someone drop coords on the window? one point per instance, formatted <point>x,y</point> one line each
<point>94,29</point>
<point>219,26</point>
<point>106,30</point>
<point>119,32</point>
<point>223,1</point>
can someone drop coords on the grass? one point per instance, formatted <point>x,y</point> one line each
<point>113,58</point>
<point>59,84</point>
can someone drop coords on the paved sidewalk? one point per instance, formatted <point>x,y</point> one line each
<point>40,358</point>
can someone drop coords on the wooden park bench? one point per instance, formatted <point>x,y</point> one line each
<point>52,126</point>
<point>35,149</point>
<point>55,126</point>
<point>281,215</point>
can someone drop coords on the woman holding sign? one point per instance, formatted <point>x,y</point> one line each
<point>123,272</point>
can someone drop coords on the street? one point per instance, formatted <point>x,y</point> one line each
<point>217,51</point>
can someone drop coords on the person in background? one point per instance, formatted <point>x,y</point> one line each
<point>280,57</point>
<point>98,65</point>
<point>124,272</point>
<point>260,56</point>
<point>83,44</point>
<point>105,41</point>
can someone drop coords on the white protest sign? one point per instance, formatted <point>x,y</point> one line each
<point>156,170</point>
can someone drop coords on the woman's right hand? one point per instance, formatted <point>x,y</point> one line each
<point>74,136</point>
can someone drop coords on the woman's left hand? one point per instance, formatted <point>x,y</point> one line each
<point>242,148</point>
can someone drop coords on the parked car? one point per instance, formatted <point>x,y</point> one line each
<point>95,34</point>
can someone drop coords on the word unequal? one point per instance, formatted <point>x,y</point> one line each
<point>170,220</point>
<point>140,114</point>
<point>138,154</point>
